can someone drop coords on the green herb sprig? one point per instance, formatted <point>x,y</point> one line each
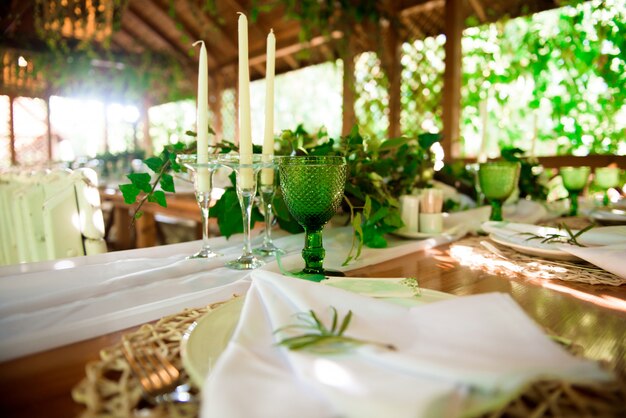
<point>571,237</point>
<point>322,339</point>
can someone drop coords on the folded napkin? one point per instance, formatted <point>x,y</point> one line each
<point>608,257</point>
<point>456,356</point>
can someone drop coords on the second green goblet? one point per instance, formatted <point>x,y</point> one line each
<point>497,181</point>
<point>313,189</point>
<point>574,180</point>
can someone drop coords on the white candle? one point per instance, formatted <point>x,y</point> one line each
<point>203,183</point>
<point>245,134</point>
<point>267,175</point>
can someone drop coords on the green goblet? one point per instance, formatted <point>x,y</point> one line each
<point>574,180</point>
<point>607,178</point>
<point>497,181</point>
<point>313,189</point>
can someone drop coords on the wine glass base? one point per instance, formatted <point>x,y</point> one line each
<point>316,276</point>
<point>268,251</point>
<point>245,262</point>
<point>204,253</point>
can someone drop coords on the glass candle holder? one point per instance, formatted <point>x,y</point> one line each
<point>574,180</point>
<point>203,188</point>
<point>498,181</point>
<point>268,182</point>
<point>246,172</point>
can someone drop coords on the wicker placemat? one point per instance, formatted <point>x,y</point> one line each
<point>480,253</point>
<point>110,389</point>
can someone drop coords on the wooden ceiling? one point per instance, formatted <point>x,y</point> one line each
<point>169,27</point>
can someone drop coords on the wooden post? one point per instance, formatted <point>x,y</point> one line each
<point>215,104</point>
<point>392,64</point>
<point>12,130</point>
<point>452,78</point>
<point>48,127</point>
<point>348,115</point>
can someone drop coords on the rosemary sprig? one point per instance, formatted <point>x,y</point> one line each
<point>571,237</point>
<point>321,339</point>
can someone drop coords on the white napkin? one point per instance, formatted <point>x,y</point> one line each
<point>608,257</point>
<point>453,357</point>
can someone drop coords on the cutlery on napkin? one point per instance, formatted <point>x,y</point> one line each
<point>453,356</point>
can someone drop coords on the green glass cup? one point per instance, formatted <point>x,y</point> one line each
<point>606,178</point>
<point>574,180</point>
<point>313,187</point>
<point>497,181</point>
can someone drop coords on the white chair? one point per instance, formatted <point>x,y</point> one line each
<point>50,215</point>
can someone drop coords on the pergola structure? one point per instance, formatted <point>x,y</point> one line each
<point>168,27</point>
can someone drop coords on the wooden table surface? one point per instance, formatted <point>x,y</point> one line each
<point>593,316</point>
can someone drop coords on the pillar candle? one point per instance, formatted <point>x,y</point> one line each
<point>245,134</point>
<point>267,175</point>
<point>203,183</point>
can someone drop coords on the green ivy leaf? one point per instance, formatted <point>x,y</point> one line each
<point>228,213</point>
<point>167,183</point>
<point>158,197</point>
<point>141,181</point>
<point>367,208</point>
<point>130,193</point>
<point>154,163</point>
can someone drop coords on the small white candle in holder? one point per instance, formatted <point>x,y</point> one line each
<point>267,174</point>
<point>245,131</point>
<point>431,218</point>
<point>203,181</point>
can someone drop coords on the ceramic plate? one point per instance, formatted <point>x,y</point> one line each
<point>609,216</point>
<point>532,249</point>
<point>207,338</point>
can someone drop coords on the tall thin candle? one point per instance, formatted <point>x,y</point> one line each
<point>203,183</point>
<point>245,134</point>
<point>267,175</point>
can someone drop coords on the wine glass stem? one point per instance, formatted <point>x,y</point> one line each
<point>605,199</point>
<point>496,211</point>
<point>573,208</point>
<point>204,200</point>
<point>246,211</point>
<point>313,252</point>
<point>266,199</point>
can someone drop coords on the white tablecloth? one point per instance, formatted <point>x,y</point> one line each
<point>49,304</point>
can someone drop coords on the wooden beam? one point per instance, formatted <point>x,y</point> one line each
<point>479,10</point>
<point>452,78</point>
<point>12,130</point>
<point>391,57</point>
<point>422,7</point>
<point>348,115</point>
<point>291,61</point>
<point>295,48</point>
<point>173,46</point>
<point>207,21</point>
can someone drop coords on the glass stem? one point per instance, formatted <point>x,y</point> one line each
<point>266,198</point>
<point>605,200</point>
<point>573,208</point>
<point>313,252</point>
<point>246,201</point>
<point>496,211</point>
<point>204,200</point>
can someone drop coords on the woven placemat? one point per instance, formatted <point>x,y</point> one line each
<point>481,253</point>
<point>111,390</point>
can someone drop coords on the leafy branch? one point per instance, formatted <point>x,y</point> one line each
<point>322,339</point>
<point>571,237</point>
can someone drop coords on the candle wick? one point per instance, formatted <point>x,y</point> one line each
<point>272,30</point>
<point>198,42</point>
<point>240,13</point>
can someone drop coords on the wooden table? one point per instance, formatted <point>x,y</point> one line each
<point>592,316</point>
